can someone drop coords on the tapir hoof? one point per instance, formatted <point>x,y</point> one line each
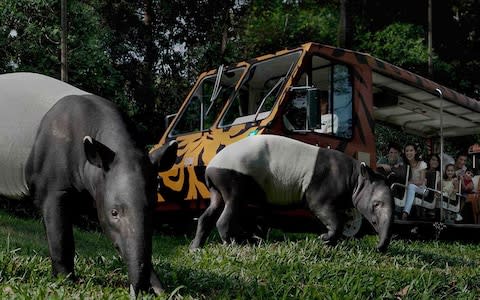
<point>382,248</point>
<point>155,284</point>
<point>194,246</point>
<point>327,240</point>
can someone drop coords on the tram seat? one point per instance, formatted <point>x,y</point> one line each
<point>475,182</point>
<point>428,199</point>
<point>425,199</point>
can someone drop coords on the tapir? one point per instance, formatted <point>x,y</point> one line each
<point>273,170</point>
<point>58,142</point>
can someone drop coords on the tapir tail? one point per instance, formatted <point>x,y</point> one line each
<point>208,181</point>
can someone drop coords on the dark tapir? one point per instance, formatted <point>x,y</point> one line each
<point>275,170</point>
<point>57,142</point>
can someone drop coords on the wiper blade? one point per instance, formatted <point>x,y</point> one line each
<point>279,82</point>
<point>216,89</point>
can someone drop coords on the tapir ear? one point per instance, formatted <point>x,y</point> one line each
<point>365,170</point>
<point>164,157</point>
<point>97,153</point>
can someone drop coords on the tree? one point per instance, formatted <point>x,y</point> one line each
<point>29,44</point>
<point>33,43</point>
<point>145,54</point>
<point>272,25</point>
<point>345,28</point>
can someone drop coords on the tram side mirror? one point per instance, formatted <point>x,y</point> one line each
<point>313,109</point>
<point>168,119</point>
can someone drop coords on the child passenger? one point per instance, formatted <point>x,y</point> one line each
<point>450,185</point>
<point>450,182</point>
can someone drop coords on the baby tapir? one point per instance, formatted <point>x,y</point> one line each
<point>276,170</point>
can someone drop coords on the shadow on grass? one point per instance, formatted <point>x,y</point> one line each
<point>204,283</point>
<point>429,256</point>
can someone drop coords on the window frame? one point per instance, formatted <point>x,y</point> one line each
<point>307,68</point>
<point>281,88</point>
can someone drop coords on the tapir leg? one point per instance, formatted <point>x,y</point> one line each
<point>58,225</point>
<point>227,225</point>
<point>207,219</point>
<point>329,216</point>
<point>231,191</point>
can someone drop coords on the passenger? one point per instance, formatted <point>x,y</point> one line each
<point>433,170</point>
<point>392,160</point>
<point>432,176</point>
<point>450,182</point>
<point>417,180</point>
<point>460,170</point>
<point>433,163</point>
<point>460,164</point>
<point>450,186</point>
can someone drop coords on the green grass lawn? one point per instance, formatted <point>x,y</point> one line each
<point>285,266</point>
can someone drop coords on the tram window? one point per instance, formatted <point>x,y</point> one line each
<point>190,120</point>
<point>260,89</point>
<point>325,104</point>
<point>203,107</point>
<point>342,100</point>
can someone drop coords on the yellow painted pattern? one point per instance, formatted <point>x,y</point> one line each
<point>195,151</point>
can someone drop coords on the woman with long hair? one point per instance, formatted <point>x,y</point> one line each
<point>417,180</point>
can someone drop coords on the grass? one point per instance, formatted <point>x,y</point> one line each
<point>285,266</point>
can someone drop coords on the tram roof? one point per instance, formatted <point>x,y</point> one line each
<point>412,102</point>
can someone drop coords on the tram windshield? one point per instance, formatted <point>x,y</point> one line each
<point>207,101</point>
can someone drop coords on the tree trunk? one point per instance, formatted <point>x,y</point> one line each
<point>345,27</point>
<point>150,50</point>
<point>147,93</point>
<point>63,41</point>
<point>226,25</point>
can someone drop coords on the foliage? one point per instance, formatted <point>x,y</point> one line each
<point>286,265</point>
<point>144,55</point>
<point>272,25</point>
<point>32,43</point>
<point>385,135</point>
<point>30,36</point>
<point>400,43</point>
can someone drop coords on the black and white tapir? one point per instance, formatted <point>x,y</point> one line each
<point>57,142</point>
<point>275,170</point>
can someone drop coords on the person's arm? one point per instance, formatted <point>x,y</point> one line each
<point>455,184</point>
<point>386,167</point>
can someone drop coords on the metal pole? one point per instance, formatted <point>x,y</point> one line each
<point>430,54</point>
<point>440,94</point>
<point>63,42</point>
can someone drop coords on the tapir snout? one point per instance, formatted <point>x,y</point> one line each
<point>127,205</point>
<point>374,200</point>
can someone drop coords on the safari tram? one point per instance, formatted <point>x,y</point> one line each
<point>324,96</point>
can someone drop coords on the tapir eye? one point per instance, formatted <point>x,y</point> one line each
<point>114,213</point>
<point>377,204</point>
